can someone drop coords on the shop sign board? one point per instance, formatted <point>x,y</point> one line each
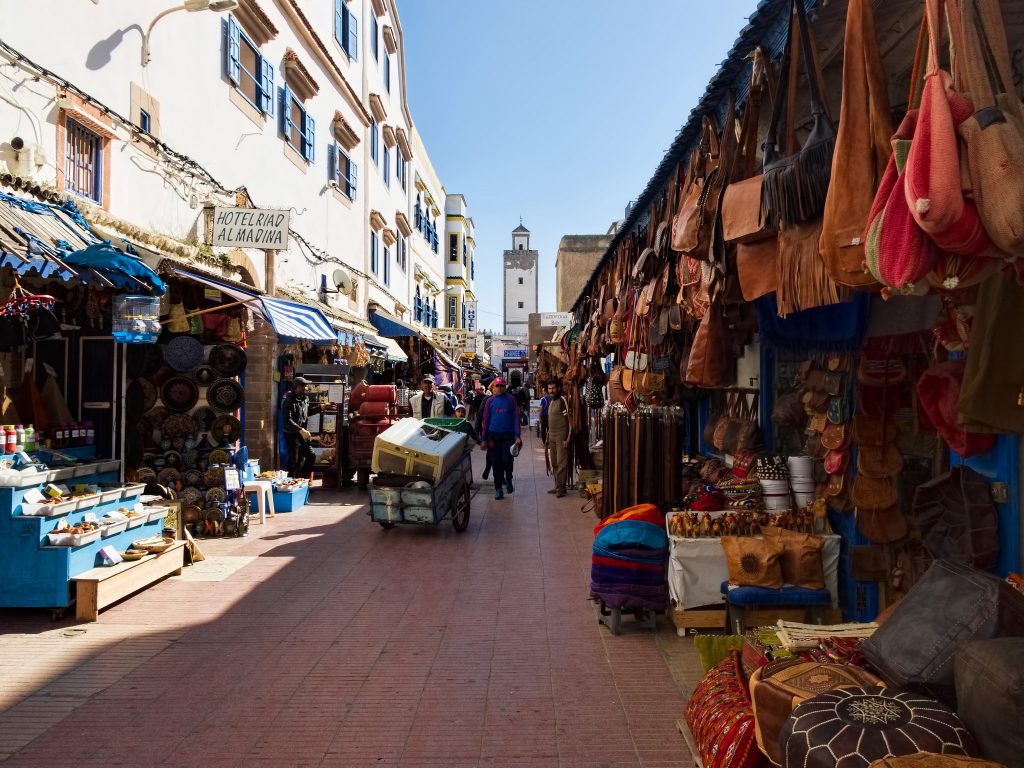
<point>515,353</point>
<point>264,228</point>
<point>555,319</point>
<point>470,314</point>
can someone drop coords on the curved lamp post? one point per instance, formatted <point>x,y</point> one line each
<point>188,5</point>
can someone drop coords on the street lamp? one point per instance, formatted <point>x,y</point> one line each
<point>188,5</point>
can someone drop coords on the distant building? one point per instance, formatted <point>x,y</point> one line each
<point>520,283</point>
<point>577,257</point>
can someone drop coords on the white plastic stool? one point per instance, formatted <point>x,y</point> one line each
<point>264,490</point>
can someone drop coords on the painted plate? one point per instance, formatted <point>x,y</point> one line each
<point>180,393</point>
<point>229,359</point>
<point>227,428</point>
<point>225,395</point>
<point>184,353</point>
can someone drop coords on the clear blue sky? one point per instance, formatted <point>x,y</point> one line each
<point>555,110</point>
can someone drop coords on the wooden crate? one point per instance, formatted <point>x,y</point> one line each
<point>702,617</point>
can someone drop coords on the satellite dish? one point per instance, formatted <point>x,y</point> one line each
<point>342,281</point>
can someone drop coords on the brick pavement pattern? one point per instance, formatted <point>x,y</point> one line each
<point>323,640</point>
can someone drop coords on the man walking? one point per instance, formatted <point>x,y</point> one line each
<point>500,430</point>
<point>295,414</point>
<point>427,402</point>
<point>556,434</point>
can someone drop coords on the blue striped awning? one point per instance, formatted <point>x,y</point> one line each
<point>289,319</point>
<point>390,326</point>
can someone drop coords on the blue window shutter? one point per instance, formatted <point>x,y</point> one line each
<point>353,172</point>
<point>332,163</point>
<point>340,14</point>
<point>387,266</point>
<point>286,112</point>
<point>267,87</point>
<point>353,35</point>
<point>310,138</point>
<point>233,50</point>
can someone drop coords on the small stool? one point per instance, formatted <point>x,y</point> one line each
<point>739,600</point>
<point>264,492</point>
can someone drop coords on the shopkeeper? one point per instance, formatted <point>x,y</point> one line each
<point>296,412</point>
<point>428,402</point>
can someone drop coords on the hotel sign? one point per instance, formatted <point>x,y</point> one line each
<point>263,228</point>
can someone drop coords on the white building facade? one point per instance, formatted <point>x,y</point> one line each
<point>427,259</point>
<point>297,105</point>
<point>521,288</point>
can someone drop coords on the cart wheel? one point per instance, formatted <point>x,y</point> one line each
<point>363,479</point>
<point>387,526</point>
<point>460,510</point>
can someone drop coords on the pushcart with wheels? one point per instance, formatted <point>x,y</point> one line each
<point>396,499</point>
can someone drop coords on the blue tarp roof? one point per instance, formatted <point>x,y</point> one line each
<point>56,241</point>
<point>391,326</point>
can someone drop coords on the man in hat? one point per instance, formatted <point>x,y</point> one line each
<point>500,432</point>
<point>556,433</point>
<point>295,413</point>
<point>427,402</point>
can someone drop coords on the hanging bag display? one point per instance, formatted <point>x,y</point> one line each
<point>994,134</point>
<point>793,192</point>
<point>861,153</point>
<point>691,228</point>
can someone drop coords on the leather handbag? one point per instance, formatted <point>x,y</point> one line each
<point>753,562</point>
<point>956,518</point>
<point>994,134</point>
<point>914,648</point>
<point>801,557</point>
<point>803,281</point>
<point>693,225</point>
<point>861,153</point>
<point>757,267</point>
<point>778,687</point>
<point>794,187</point>
<point>616,392</point>
<point>882,526</point>
<point>710,365</point>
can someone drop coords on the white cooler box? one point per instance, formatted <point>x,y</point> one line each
<point>412,447</point>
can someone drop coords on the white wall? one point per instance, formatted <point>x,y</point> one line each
<point>97,47</point>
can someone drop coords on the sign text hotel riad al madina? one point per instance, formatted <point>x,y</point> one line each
<point>250,228</point>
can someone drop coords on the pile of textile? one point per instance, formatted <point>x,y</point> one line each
<point>630,556</point>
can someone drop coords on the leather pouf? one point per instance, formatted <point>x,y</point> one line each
<point>779,686</point>
<point>853,727</point>
<point>931,760</point>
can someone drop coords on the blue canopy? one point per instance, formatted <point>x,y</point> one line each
<point>122,270</point>
<point>289,319</point>
<point>389,325</point>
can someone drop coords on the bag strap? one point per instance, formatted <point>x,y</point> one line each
<point>986,55</point>
<point>747,148</point>
<point>815,78</point>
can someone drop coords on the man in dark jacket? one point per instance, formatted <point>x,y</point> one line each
<point>295,415</point>
<point>500,430</point>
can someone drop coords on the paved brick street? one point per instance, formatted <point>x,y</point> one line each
<point>323,640</point>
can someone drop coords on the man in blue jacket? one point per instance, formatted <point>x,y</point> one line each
<point>500,430</point>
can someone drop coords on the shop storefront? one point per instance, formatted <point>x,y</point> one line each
<point>810,383</point>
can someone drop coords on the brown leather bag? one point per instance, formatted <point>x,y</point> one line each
<point>753,562</point>
<point>779,686</point>
<point>804,283</point>
<point>862,151</point>
<point>710,365</point>
<point>616,392</point>
<point>801,557</point>
<point>757,266</point>
<point>882,526</point>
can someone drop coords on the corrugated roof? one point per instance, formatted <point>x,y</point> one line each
<point>768,27</point>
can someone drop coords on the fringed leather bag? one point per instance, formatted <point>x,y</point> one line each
<point>861,153</point>
<point>795,186</point>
